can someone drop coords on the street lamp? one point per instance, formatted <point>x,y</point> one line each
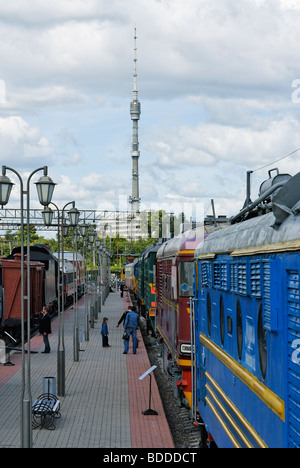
<point>74,219</point>
<point>75,294</point>
<point>45,187</point>
<point>84,230</point>
<point>62,232</point>
<point>73,216</point>
<point>98,243</point>
<point>99,272</point>
<point>92,236</point>
<point>65,230</point>
<point>6,186</point>
<point>47,214</point>
<point>45,193</point>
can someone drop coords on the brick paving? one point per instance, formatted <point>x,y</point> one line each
<point>104,399</point>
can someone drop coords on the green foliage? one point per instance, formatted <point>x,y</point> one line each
<point>121,248</point>
<point>13,239</point>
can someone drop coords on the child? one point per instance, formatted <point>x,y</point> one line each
<point>104,333</point>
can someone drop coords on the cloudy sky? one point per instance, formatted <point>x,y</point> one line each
<point>218,82</point>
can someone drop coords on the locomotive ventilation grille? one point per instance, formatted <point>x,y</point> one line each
<point>293,364</point>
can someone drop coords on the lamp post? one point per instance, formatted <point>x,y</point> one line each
<point>91,238</point>
<point>83,230</point>
<point>75,275</point>
<point>99,279</point>
<point>73,220</point>
<point>45,187</point>
<point>109,271</point>
<point>48,216</point>
<point>62,232</point>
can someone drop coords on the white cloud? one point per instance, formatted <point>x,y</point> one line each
<point>20,99</point>
<point>290,4</point>
<point>20,143</point>
<point>40,13</point>
<point>206,144</point>
<point>203,48</point>
<point>214,80</point>
<point>73,159</point>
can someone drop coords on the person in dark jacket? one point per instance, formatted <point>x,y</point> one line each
<point>130,326</point>
<point>122,319</point>
<point>104,333</point>
<point>45,329</point>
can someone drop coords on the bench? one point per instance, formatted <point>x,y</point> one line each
<point>44,410</point>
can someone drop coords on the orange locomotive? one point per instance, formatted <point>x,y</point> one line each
<point>174,288</point>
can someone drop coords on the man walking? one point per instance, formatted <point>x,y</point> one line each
<point>130,326</point>
<point>45,329</point>
<point>123,318</point>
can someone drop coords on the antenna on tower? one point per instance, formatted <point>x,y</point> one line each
<point>135,60</point>
<point>135,112</point>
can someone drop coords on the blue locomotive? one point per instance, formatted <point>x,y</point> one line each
<point>247,322</point>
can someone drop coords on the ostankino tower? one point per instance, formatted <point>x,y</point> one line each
<point>135,112</point>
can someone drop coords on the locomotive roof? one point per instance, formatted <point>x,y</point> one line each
<point>143,254</point>
<point>68,266</point>
<point>132,264</point>
<point>69,256</point>
<point>253,236</point>
<point>153,248</point>
<point>185,242</point>
<point>38,252</point>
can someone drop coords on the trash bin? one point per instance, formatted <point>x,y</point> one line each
<point>49,385</point>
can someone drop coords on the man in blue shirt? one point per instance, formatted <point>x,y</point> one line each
<point>130,326</point>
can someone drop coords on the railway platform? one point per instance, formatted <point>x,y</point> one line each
<point>104,399</point>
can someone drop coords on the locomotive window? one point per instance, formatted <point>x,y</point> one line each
<point>262,343</point>
<point>239,329</point>
<point>209,313</point>
<point>186,278</point>
<point>222,320</point>
<point>229,324</point>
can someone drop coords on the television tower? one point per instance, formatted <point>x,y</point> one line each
<point>135,112</point>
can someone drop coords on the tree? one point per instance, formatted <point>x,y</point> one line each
<point>7,243</point>
<point>33,236</point>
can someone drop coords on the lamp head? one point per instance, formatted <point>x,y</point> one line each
<point>73,216</point>
<point>47,216</point>
<point>45,187</point>
<point>5,189</point>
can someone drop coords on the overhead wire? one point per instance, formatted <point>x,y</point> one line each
<point>277,160</point>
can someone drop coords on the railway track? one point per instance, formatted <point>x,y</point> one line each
<point>185,434</point>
